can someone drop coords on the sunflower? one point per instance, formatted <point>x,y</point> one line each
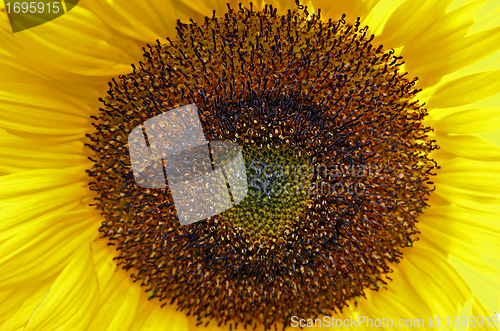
<point>395,219</point>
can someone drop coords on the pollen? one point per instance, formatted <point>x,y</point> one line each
<point>336,155</point>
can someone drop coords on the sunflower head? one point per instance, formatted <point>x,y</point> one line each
<point>336,157</point>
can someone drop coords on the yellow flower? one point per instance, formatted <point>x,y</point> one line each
<point>57,272</point>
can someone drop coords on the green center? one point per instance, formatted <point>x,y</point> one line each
<point>278,191</point>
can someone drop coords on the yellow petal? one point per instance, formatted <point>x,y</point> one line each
<point>12,72</point>
<point>466,90</point>
<point>85,89</point>
<point>18,319</point>
<point>118,304</point>
<point>12,300</point>
<point>399,300</point>
<point>128,18</point>
<point>432,275</point>
<point>206,7</point>
<point>410,20</point>
<point>50,111</point>
<point>40,251</point>
<point>19,154</point>
<point>35,209</point>
<point>104,265</point>
<point>166,320</point>
<point>488,16</point>
<point>485,285</point>
<point>453,25</point>
<point>38,232</point>
<point>77,42</point>
<point>391,304</point>
<point>37,196</point>
<point>469,121</point>
<point>9,304</point>
<point>469,198</point>
<point>493,137</point>
<point>469,183</point>
<point>444,48</point>
<point>72,299</point>
<point>34,181</point>
<point>470,147</point>
<point>335,9</point>
<point>461,232</point>
<point>122,296</point>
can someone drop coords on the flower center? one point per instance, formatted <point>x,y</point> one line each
<point>290,90</point>
<point>278,188</point>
